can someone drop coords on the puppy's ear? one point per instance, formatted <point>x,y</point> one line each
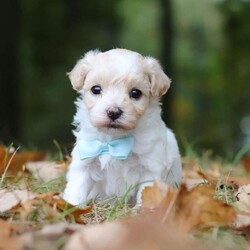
<point>78,74</point>
<point>159,81</point>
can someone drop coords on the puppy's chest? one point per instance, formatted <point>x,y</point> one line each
<point>115,168</point>
<point>108,162</point>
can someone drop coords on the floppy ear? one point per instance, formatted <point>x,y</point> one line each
<point>159,81</point>
<point>78,74</point>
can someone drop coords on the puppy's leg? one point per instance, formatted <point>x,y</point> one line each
<point>174,175</point>
<point>172,178</point>
<point>78,183</point>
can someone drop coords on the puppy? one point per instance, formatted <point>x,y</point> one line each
<point>121,140</point>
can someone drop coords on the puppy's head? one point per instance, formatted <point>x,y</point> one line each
<point>117,86</point>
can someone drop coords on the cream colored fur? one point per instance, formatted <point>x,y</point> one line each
<point>155,155</point>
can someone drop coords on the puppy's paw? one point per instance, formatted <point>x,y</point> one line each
<point>74,197</point>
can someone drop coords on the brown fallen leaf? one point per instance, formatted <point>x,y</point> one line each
<point>213,178</point>
<point>7,240</point>
<point>242,221</point>
<point>136,233</point>
<point>29,206</point>
<point>4,157</point>
<point>243,198</point>
<point>191,209</point>
<point>153,196</point>
<point>20,158</point>
<point>159,198</point>
<point>45,171</point>
<point>192,169</point>
<point>76,212</point>
<point>59,229</point>
<point>243,205</point>
<point>198,209</point>
<point>6,229</point>
<point>12,198</point>
<point>51,237</point>
<point>12,243</point>
<point>54,205</point>
<point>246,163</point>
<point>192,183</point>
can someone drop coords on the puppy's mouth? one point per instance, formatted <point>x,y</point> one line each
<point>114,125</point>
<point>111,127</point>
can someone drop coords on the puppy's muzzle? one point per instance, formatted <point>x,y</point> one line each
<point>114,113</point>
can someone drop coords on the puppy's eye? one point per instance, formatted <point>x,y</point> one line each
<point>96,90</point>
<point>135,93</point>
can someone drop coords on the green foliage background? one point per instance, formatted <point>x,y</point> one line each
<point>209,63</point>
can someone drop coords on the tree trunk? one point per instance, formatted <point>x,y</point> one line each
<point>166,56</point>
<point>9,75</point>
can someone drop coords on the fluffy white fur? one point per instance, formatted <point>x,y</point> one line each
<point>155,155</point>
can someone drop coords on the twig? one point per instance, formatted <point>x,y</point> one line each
<point>170,207</point>
<point>6,169</point>
<point>229,173</point>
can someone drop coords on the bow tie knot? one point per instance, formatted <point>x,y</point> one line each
<point>119,148</point>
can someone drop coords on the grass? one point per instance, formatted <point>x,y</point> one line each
<point>243,151</point>
<point>113,209</point>
<point>121,208</point>
<point>55,185</point>
<point>225,193</point>
<point>59,149</point>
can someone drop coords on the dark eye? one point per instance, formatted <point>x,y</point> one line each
<point>96,90</point>
<point>135,93</point>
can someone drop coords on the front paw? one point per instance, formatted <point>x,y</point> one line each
<point>74,197</point>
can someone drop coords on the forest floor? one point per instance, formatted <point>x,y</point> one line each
<point>210,210</point>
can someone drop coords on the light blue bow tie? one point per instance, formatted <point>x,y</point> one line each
<point>118,148</point>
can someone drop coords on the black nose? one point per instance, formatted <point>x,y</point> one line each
<point>114,113</point>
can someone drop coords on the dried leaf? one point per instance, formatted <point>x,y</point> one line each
<point>76,212</point>
<point>141,233</point>
<point>192,183</point>
<point>59,229</point>
<point>242,221</point>
<point>246,163</point>
<point>160,198</point>
<point>54,205</point>
<point>243,198</point>
<point>6,229</point>
<point>7,241</point>
<point>50,237</point>
<point>4,158</point>
<point>192,169</point>
<point>198,209</point>
<point>243,204</point>
<point>45,171</point>
<point>11,243</point>
<point>16,164</point>
<point>193,209</point>
<point>153,196</point>
<point>11,198</point>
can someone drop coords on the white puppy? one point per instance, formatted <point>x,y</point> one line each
<point>121,140</point>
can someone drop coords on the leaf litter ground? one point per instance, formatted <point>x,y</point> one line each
<point>210,210</point>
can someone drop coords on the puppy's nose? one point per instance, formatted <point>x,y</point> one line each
<point>114,113</point>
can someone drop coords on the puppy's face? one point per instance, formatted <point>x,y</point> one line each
<point>115,102</point>
<point>117,86</point>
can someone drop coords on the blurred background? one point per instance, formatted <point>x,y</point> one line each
<point>203,46</point>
